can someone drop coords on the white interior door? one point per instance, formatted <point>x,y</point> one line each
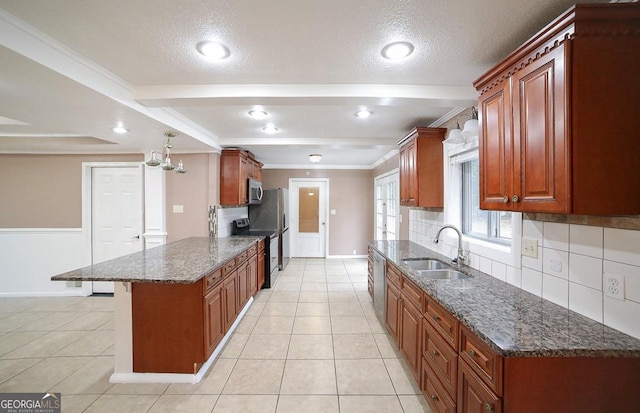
<point>387,223</point>
<point>116,216</point>
<point>308,224</point>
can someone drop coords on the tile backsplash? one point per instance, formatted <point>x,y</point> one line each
<point>226,216</point>
<point>577,266</point>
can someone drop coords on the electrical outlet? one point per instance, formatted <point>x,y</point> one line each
<point>614,286</point>
<point>530,247</point>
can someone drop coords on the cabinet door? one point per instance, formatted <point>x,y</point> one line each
<point>404,175</point>
<point>392,313</point>
<point>412,174</point>
<point>252,276</point>
<point>243,190</point>
<point>410,319</point>
<point>473,395</point>
<point>230,295</point>
<point>261,269</point>
<point>243,286</point>
<point>214,322</point>
<point>541,146</point>
<point>495,156</point>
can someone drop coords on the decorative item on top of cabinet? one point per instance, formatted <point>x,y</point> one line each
<point>421,168</point>
<point>558,115</point>
<point>236,167</point>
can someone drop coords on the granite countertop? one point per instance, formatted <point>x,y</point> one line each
<point>513,322</point>
<point>180,262</point>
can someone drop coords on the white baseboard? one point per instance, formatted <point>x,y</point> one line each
<point>70,293</point>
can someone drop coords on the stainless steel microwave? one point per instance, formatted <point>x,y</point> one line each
<point>255,191</point>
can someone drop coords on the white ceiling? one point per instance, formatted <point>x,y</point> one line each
<point>71,69</point>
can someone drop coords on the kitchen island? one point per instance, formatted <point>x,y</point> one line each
<point>176,304</point>
<point>480,344</point>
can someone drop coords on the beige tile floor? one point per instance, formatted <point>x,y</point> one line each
<point>310,344</point>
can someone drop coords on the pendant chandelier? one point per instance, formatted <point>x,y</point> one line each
<point>165,162</point>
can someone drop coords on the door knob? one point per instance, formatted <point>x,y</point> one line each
<point>136,237</point>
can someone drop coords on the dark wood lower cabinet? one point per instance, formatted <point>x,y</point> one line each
<point>392,298</point>
<point>214,322</point>
<point>230,296</point>
<point>176,327</point>
<point>261,268</point>
<point>410,332</point>
<point>473,395</point>
<point>433,391</point>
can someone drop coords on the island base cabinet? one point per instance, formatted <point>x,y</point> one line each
<point>167,327</point>
<point>571,384</point>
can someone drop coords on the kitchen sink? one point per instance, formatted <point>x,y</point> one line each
<point>425,265</point>
<point>445,274</point>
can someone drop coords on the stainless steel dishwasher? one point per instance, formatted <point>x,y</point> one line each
<point>379,285</point>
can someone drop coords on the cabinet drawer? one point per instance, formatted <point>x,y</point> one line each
<point>442,320</point>
<point>437,397</point>
<point>261,246</point>
<point>252,250</point>
<point>482,359</point>
<point>442,359</point>
<point>228,267</point>
<point>212,279</point>
<point>394,275</point>
<point>411,292</point>
<point>242,257</point>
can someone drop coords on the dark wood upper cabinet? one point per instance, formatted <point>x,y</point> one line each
<point>421,173</point>
<point>558,117</point>
<point>236,168</point>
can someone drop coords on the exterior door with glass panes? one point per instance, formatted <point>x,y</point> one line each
<point>308,224</point>
<point>387,220</point>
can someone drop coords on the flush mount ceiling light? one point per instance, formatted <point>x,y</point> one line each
<point>363,114</point>
<point>258,114</point>
<point>119,129</point>
<point>213,50</point>
<point>165,163</point>
<point>397,50</point>
<point>315,157</point>
<point>270,129</point>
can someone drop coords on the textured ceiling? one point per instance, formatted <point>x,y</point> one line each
<point>75,68</point>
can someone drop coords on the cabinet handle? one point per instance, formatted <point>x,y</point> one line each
<point>435,353</point>
<point>472,353</point>
<point>505,199</point>
<point>436,317</point>
<point>488,408</point>
<point>515,198</point>
<point>434,397</point>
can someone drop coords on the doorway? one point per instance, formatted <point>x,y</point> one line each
<point>309,226</point>
<point>115,216</point>
<point>387,217</point>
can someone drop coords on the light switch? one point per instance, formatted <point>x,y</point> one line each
<point>178,209</point>
<point>333,212</point>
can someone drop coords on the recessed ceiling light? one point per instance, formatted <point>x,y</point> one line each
<point>270,129</point>
<point>258,114</point>
<point>397,50</point>
<point>213,50</point>
<point>119,129</point>
<point>363,114</point>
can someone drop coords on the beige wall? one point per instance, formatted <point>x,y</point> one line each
<point>350,194</point>
<point>45,191</point>
<point>386,166</point>
<point>195,191</point>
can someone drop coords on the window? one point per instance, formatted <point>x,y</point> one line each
<point>494,226</point>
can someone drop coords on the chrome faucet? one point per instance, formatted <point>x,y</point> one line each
<point>461,257</point>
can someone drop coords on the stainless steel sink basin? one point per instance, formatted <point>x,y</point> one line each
<point>446,274</point>
<point>425,265</point>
